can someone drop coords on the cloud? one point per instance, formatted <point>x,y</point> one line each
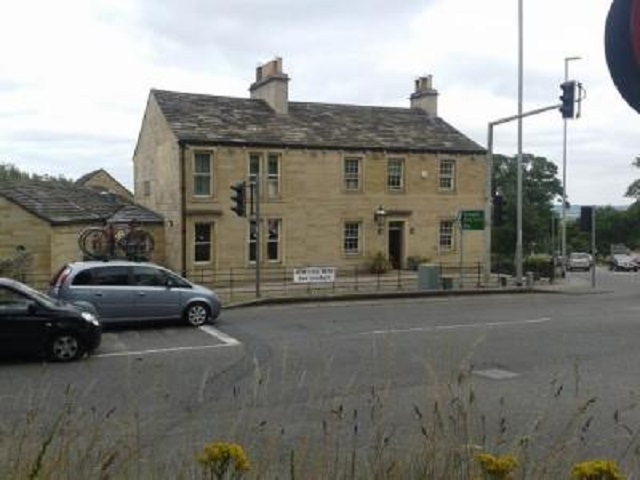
<point>74,79</point>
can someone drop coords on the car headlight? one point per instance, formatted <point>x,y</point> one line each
<point>91,318</point>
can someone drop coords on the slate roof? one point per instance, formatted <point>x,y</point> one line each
<point>61,203</point>
<point>198,118</point>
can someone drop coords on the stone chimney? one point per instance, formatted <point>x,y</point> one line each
<point>271,85</point>
<point>425,96</point>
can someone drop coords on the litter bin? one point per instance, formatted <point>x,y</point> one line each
<point>428,277</point>
<point>529,280</point>
<point>447,283</point>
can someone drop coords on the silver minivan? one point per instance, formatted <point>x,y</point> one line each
<point>124,291</point>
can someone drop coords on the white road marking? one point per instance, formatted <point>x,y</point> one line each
<point>159,350</point>
<point>457,326</point>
<point>227,341</point>
<point>223,337</point>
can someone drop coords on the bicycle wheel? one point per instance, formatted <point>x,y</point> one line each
<point>94,243</point>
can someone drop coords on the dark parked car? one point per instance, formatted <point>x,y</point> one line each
<point>124,291</point>
<point>33,323</point>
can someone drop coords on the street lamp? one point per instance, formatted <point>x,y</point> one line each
<point>564,167</point>
<point>378,217</point>
<point>519,158</point>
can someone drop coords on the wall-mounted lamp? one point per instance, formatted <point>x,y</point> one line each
<point>378,217</point>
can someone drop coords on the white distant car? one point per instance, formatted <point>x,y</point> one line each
<point>579,261</point>
<point>623,262</point>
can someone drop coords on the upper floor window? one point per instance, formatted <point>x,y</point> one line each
<point>351,239</point>
<point>254,166</point>
<point>273,175</point>
<point>395,174</point>
<point>202,242</point>
<point>272,169</point>
<point>352,174</point>
<point>446,235</point>
<point>447,174</point>
<point>202,174</point>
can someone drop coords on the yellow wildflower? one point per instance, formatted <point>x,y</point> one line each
<point>497,468</point>
<point>597,470</point>
<point>221,457</point>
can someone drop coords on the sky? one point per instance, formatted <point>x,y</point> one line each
<point>75,75</point>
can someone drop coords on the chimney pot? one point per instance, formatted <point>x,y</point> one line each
<point>425,97</point>
<point>271,85</point>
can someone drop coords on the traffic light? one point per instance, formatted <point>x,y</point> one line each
<point>568,99</point>
<point>239,198</point>
<point>586,217</point>
<point>498,210</point>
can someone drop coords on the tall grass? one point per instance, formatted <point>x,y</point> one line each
<point>454,432</point>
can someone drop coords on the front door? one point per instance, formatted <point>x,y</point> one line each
<point>396,232</point>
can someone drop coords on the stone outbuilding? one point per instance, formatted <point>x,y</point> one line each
<point>40,222</point>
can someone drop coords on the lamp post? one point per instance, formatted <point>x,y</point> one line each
<point>564,170</point>
<point>519,161</point>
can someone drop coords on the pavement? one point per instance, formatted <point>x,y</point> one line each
<point>569,284</point>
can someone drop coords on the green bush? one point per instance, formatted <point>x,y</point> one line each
<point>541,265</point>
<point>379,263</point>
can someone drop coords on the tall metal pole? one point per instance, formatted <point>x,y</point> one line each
<point>488,220</point>
<point>593,246</point>
<point>258,236</point>
<point>564,170</point>
<point>489,181</point>
<point>519,162</point>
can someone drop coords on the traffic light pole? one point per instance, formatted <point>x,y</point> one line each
<point>489,192</point>
<point>593,246</point>
<point>255,202</point>
<point>563,233</point>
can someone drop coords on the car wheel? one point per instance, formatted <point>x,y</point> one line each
<point>197,314</point>
<point>65,347</point>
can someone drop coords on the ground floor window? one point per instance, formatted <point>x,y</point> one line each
<point>202,242</point>
<point>273,239</point>
<point>446,235</point>
<point>351,238</point>
<point>253,241</point>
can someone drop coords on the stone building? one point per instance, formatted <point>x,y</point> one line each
<point>41,221</point>
<point>339,184</point>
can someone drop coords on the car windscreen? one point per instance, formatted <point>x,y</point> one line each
<point>38,296</point>
<point>177,281</point>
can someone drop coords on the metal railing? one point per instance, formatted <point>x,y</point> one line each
<point>239,283</point>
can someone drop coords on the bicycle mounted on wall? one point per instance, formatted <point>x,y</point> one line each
<point>116,241</point>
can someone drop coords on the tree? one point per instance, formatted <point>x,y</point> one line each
<point>615,226</point>
<point>540,189</point>
<point>633,190</point>
<point>8,171</point>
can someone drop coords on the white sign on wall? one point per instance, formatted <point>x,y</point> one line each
<point>314,275</point>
